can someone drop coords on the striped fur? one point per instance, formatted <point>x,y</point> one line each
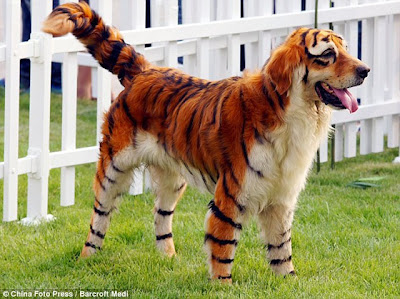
<point>247,140</point>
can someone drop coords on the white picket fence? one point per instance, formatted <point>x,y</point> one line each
<point>209,41</point>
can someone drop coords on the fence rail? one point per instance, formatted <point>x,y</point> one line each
<point>209,40</point>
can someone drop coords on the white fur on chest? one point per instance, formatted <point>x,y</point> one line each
<point>285,157</point>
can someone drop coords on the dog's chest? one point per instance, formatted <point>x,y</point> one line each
<point>284,160</point>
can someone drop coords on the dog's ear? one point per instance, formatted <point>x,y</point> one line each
<point>281,65</point>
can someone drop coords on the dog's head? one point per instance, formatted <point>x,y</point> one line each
<point>322,65</point>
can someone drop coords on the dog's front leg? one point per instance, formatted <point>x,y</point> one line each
<point>276,223</point>
<point>222,232</point>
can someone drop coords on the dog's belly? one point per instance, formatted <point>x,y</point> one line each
<point>149,151</point>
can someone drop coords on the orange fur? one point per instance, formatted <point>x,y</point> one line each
<point>208,131</point>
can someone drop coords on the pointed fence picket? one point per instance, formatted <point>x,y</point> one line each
<point>209,41</point>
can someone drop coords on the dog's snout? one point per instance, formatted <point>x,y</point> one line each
<point>362,71</point>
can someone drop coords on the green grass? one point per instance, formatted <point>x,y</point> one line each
<point>346,241</point>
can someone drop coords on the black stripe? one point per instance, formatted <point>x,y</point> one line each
<point>222,261</point>
<point>315,38</point>
<point>199,130</point>
<point>97,233</point>
<point>244,150</point>
<point>220,241</point>
<point>88,244</point>
<point>225,277</point>
<point>280,100</point>
<point>258,136</point>
<point>303,36</point>
<point>110,117</point>
<point>61,10</point>
<point>115,167</point>
<point>162,237</point>
<point>218,97</point>
<point>270,101</point>
<point>305,77</point>
<point>121,75</point>
<point>145,98</point>
<point>223,147</point>
<point>187,167</point>
<point>309,55</point>
<point>288,231</point>
<point>180,187</point>
<point>221,216</point>
<point>91,49</point>
<point>87,28</point>
<point>321,62</point>
<point>190,126</point>
<point>270,246</point>
<point>129,115</point>
<point>168,101</point>
<point>204,181</point>
<point>189,83</point>
<point>101,213</point>
<point>99,180</point>
<point>326,39</point>
<point>182,101</point>
<point>95,19</point>
<point>126,110</point>
<point>337,36</point>
<point>96,200</point>
<point>157,95</point>
<point>164,212</point>
<point>280,261</point>
<point>226,190</point>
<point>210,175</point>
<point>73,19</point>
<point>111,154</point>
<point>111,181</point>
<point>105,34</point>
<point>243,143</point>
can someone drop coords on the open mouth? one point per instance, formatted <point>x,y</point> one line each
<point>339,98</point>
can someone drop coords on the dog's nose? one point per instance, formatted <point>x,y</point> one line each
<point>362,71</point>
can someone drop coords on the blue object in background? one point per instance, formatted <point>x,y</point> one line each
<point>25,63</point>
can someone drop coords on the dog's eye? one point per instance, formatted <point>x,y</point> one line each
<point>328,53</point>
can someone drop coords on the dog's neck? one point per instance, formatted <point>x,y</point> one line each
<point>306,111</point>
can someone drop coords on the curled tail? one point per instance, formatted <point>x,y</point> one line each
<point>104,42</point>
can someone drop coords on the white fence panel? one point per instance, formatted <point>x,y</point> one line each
<point>11,118</point>
<point>39,114</point>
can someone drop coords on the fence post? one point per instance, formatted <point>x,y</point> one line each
<point>39,116</point>
<point>68,140</point>
<point>11,124</point>
<point>392,61</point>
<point>350,138</point>
<point>234,9</point>
<point>103,75</point>
<point>367,46</point>
<point>396,76</point>
<point>378,85</point>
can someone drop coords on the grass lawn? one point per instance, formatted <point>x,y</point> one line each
<point>346,241</point>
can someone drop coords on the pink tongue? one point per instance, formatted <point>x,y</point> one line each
<point>346,98</point>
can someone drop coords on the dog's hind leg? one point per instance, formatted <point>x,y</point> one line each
<point>111,181</point>
<point>276,223</point>
<point>117,159</point>
<point>168,186</point>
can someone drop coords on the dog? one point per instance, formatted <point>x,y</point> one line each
<point>249,141</point>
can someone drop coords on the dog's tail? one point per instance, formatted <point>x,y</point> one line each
<point>104,42</point>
